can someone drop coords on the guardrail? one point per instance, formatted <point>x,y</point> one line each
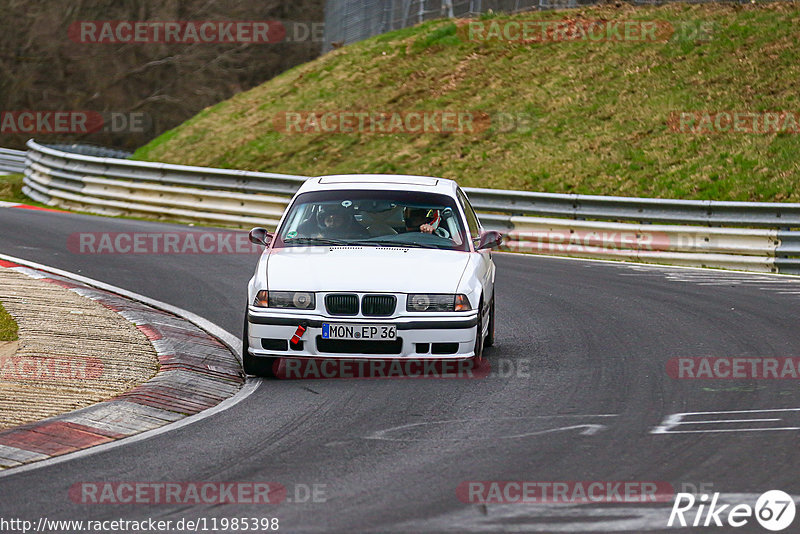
<point>751,236</point>
<point>12,160</point>
<point>92,150</point>
<point>156,190</point>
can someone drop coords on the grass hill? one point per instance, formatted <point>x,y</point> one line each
<point>594,117</point>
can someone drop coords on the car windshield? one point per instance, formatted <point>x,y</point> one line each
<point>373,218</point>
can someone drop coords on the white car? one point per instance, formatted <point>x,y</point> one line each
<point>375,267</point>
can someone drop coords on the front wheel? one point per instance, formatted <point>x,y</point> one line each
<point>255,365</point>
<point>478,358</point>
<point>489,341</point>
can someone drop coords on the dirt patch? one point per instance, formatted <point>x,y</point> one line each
<point>72,352</point>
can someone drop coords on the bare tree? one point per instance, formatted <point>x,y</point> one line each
<point>41,68</point>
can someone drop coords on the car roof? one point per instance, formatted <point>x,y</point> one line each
<point>387,182</point>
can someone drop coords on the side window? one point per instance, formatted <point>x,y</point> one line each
<point>472,219</point>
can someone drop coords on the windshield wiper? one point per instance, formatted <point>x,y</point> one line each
<point>389,243</point>
<point>314,241</point>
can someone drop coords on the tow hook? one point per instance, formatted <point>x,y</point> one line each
<point>301,329</point>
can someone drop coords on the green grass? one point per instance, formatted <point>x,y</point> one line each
<point>595,114</point>
<point>8,328</point>
<point>11,189</point>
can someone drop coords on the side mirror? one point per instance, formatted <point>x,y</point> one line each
<point>260,236</point>
<point>490,239</point>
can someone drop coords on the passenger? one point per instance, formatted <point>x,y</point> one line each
<point>421,220</point>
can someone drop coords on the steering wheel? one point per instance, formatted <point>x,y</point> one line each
<point>441,232</point>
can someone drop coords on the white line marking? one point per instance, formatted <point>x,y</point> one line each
<point>727,421</point>
<point>589,429</point>
<point>761,410</point>
<point>727,430</point>
<point>672,421</point>
<point>226,337</point>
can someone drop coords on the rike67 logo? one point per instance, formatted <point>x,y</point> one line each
<point>773,510</point>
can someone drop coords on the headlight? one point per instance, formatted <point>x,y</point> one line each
<point>437,302</point>
<point>301,300</point>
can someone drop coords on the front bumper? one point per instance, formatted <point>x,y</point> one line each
<point>452,332</point>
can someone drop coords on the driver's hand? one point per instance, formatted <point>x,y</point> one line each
<point>426,228</point>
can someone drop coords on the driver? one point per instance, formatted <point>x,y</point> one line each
<point>421,220</point>
<point>336,221</point>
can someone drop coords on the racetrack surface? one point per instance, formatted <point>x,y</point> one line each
<point>586,344</point>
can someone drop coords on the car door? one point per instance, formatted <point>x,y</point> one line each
<point>485,266</point>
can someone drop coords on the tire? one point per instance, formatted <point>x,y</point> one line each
<point>255,365</point>
<point>478,357</point>
<point>489,341</point>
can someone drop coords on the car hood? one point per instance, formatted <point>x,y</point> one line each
<point>365,269</point>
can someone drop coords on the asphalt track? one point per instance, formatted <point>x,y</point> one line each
<point>582,348</point>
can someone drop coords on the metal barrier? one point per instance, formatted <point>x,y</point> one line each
<point>12,160</point>
<point>753,236</point>
<point>726,248</point>
<point>349,21</point>
<point>647,210</point>
<point>92,150</point>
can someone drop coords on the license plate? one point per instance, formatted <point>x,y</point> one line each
<point>359,331</point>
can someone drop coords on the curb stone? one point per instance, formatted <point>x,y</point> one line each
<point>197,372</point>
